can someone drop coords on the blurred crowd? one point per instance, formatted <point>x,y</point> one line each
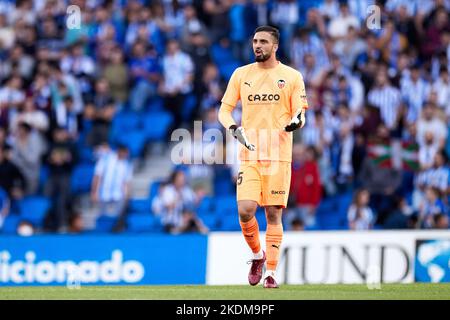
<point>378,89</point>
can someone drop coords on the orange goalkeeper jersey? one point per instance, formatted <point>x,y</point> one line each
<point>270,98</point>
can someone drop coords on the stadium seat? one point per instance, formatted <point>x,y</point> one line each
<point>206,206</point>
<point>125,121</point>
<point>221,54</point>
<point>139,206</point>
<point>226,205</point>
<point>156,104</point>
<point>134,140</point>
<point>229,223</point>
<point>188,107</point>
<point>81,179</point>
<point>154,187</point>
<point>43,177</point>
<point>10,224</point>
<point>105,224</point>
<point>227,69</point>
<point>211,221</point>
<point>156,125</point>
<point>142,223</point>
<point>34,209</point>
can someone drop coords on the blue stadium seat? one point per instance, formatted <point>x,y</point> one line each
<point>226,205</point>
<point>134,140</point>
<point>156,104</point>
<point>206,206</point>
<point>188,107</point>
<point>142,223</point>
<point>156,125</point>
<point>105,224</point>
<point>34,209</point>
<point>124,121</point>
<point>43,177</point>
<point>10,224</point>
<point>227,69</point>
<point>211,221</point>
<point>139,206</point>
<point>229,223</point>
<point>154,186</point>
<point>81,179</point>
<point>221,54</point>
<point>86,154</point>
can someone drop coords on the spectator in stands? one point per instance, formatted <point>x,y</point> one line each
<point>18,63</point>
<point>402,216</point>
<point>381,182</point>
<point>4,206</point>
<point>430,122</point>
<point>80,65</point>
<point>297,225</point>
<point>386,98</point>
<point>65,116</point>
<point>338,26</point>
<point>11,179</point>
<point>442,87</point>
<point>26,155</point>
<point>431,206</point>
<point>175,205</point>
<point>116,73</point>
<point>178,73</point>
<point>76,224</point>
<point>415,91</point>
<point>440,221</point>
<point>101,111</point>
<point>360,215</point>
<point>145,73</point>
<point>305,192</point>
<point>11,97</point>
<point>25,229</point>
<point>428,150</point>
<point>111,183</point>
<point>61,159</point>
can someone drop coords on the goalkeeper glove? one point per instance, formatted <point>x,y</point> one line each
<point>239,134</point>
<point>297,121</point>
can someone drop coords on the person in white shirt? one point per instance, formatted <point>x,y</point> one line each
<point>338,27</point>
<point>442,88</point>
<point>178,72</point>
<point>360,215</point>
<point>111,182</point>
<point>429,122</point>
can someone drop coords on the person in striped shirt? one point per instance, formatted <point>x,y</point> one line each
<point>387,99</point>
<point>111,182</point>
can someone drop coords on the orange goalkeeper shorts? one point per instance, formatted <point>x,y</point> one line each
<point>266,182</point>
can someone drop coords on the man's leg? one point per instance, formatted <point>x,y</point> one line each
<point>275,189</point>
<point>250,229</point>
<point>274,237</point>
<point>249,224</point>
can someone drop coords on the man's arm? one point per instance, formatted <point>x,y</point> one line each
<point>229,100</point>
<point>225,117</point>
<point>299,104</point>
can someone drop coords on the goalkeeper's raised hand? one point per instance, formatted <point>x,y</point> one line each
<point>239,134</point>
<point>297,121</point>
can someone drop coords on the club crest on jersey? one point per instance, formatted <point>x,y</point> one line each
<point>281,84</point>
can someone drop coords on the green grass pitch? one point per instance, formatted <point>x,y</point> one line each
<point>417,291</point>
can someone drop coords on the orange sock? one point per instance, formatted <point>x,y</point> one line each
<point>274,236</point>
<point>250,229</point>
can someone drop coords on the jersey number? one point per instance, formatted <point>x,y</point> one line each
<point>239,178</point>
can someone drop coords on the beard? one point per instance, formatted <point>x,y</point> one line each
<point>263,57</point>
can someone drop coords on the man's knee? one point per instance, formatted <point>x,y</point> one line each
<point>273,214</point>
<point>246,209</point>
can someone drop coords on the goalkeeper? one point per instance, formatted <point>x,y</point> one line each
<point>273,105</point>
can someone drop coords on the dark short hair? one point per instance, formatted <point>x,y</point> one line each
<point>272,30</point>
